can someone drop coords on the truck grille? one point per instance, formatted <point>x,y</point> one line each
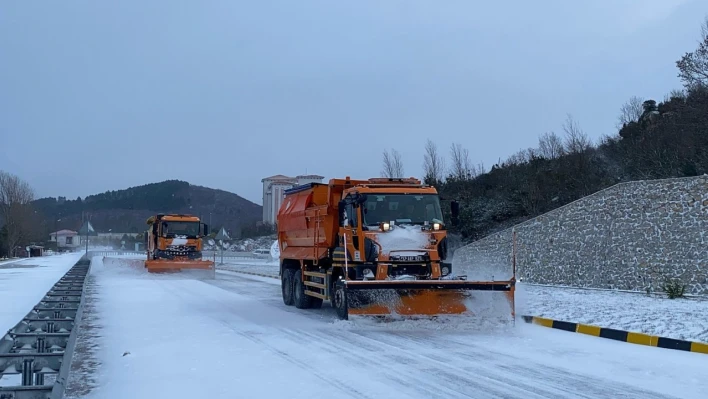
<point>180,249</point>
<point>411,270</point>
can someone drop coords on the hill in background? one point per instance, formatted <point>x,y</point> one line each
<point>125,211</point>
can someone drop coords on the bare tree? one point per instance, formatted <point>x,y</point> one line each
<point>461,165</point>
<point>433,164</point>
<point>15,209</point>
<point>630,111</point>
<point>550,146</point>
<point>522,157</point>
<point>576,140</point>
<point>392,164</point>
<point>477,170</point>
<point>693,66</point>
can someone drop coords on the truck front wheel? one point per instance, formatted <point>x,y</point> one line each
<point>286,285</point>
<point>339,301</point>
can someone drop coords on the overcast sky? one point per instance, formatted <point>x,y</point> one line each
<point>98,96</point>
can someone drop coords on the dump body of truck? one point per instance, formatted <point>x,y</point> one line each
<point>373,247</point>
<point>174,243</point>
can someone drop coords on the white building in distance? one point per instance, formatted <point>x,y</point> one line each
<point>67,239</point>
<point>274,191</point>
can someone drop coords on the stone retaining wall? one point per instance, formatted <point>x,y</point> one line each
<point>631,236</point>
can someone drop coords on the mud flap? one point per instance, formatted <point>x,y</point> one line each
<point>426,298</point>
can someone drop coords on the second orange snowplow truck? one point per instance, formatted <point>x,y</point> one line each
<point>372,247</point>
<point>174,244</point>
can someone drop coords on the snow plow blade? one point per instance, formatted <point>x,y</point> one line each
<point>426,297</point>
<point>198,268</point>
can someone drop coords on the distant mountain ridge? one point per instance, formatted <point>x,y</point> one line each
<point>126,211</point>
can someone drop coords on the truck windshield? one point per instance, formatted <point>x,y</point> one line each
<point>401,208</point>
<point>189,229</point>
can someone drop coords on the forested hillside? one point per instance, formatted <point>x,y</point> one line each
<point>126,210</point>
<point>655,139</point>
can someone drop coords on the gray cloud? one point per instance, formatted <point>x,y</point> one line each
<point>105,96</point>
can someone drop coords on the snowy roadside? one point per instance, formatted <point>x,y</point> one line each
<point>672,318</point>
<point>4,262</point>
<point>24,283</point>
<point>683,318</point>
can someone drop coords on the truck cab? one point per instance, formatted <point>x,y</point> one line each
<point>175,236</point>
<point>395,230</point>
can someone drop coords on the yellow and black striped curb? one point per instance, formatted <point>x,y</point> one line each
<point>620,335</point>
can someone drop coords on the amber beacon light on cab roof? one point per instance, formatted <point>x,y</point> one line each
<point>372,247</point>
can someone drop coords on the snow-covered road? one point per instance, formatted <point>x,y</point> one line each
<point>163,336</point>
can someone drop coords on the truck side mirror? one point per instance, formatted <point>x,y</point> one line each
<point>455,211</point>
<point>145,237</point>
<point>206,229</point>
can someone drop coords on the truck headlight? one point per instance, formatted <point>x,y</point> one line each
<point>436,226</point>
<point>385,226</point>
<point>445,270</point>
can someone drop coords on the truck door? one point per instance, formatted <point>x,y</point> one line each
<point>350,222</point>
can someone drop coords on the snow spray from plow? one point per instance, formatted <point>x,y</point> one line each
<point>130,265</point>
<point>483,289</point>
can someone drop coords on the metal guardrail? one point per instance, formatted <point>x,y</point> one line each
<point>41,345</point>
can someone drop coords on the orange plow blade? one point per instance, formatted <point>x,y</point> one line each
<point>428,298</point>
<point>200,268</point>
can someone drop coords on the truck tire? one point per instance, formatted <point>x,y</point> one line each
<point>286,286</point>
<point>302,300</point>
<point>339,301</point>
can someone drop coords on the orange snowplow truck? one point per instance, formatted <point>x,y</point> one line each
<point>174,243</point>
<point>372,247</point>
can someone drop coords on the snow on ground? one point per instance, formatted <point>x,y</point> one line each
<point>252,266</point>
<point>24,283</point>
<point>684,318</point>
<point>165,336</point>
<point>5,262</point>
<point>678,318</point>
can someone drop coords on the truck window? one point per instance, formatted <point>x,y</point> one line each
<point>351,214</point>
<point>402,208</point>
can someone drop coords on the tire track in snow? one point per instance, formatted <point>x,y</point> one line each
<point>454,387</point>
<point>452,374</point>
<point>583,386</point>
<point>324,375</point>
<point>538,371</point>
<point>430,390</point>
<point>520,381</point>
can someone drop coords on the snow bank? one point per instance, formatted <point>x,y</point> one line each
<point>24,283</point>
<point>673,318</point>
